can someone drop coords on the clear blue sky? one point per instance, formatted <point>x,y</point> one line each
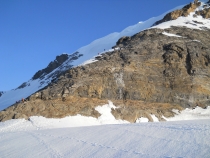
<point>34,32</point>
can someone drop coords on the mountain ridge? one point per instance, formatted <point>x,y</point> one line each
<point>95,47</point>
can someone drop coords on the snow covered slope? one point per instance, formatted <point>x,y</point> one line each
<point>90,51</point>
<point>146,140</point>
<point>79,136</point>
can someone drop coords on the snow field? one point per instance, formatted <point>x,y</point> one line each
<point>45,137</point>
<point>146,140</point>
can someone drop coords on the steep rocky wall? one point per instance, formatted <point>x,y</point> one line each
<point>151,74</point>
<point>51,66</point>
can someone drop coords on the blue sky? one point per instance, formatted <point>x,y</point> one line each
<point>34,32</point>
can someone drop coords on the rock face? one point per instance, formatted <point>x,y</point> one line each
<point>185,11</point>
<point>152,73</point>
<point>54,69</point>
<point>1,93</point>
<point>22,85</point>
<point>205,13</point>
<point>52,65</point>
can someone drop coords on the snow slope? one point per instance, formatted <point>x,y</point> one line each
<point>191,22</point>
<point>79,136</point>
<point>189,139</point>
<point>98,46</point>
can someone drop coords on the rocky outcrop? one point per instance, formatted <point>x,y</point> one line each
<point>51,108</point>
<point>185,11</point>
<point>151,73</point>
<point>54,69</point>
<point>73,105</point>
<point>22,85</point>
<point>1,92</point>
<point>205,13</point>
<point>52,65</point>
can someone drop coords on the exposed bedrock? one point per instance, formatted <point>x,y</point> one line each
<point>152,73</point>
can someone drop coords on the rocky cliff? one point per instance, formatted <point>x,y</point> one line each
<point>1,92</point>
<point>152,72</point>
<point>186,11</point>
<point>52,66</point>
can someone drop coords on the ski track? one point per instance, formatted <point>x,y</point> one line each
<point>94,144</point>
<point>47,146</point>
<point>145,140</point>
<point>198,146</point>
<point>112,147</point>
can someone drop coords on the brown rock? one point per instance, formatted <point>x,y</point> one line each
<point>185,11</point>
<point>153,74</point>
<point>205,13</point>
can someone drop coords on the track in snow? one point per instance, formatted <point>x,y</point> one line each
<point>165,139</point>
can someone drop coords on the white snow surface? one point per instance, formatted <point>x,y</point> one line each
<point>170,34</point>
<point>42,137</point>
<point>93,49</point>
<point>190,22</point>
<point>191,114</point>
<point>142,119</point>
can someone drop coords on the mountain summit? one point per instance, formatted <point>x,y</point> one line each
<point>149,68</point>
